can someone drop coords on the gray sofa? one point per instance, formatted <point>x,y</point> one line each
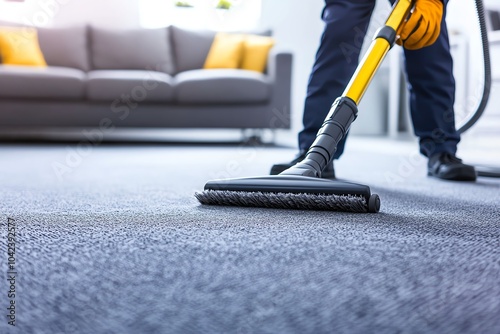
<point>141,78</point>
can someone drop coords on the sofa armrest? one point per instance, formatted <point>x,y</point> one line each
<point>279,65</point>
<point>279,71</point>
<point>494,37</point>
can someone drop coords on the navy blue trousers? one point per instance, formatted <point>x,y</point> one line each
<point>429,72</point>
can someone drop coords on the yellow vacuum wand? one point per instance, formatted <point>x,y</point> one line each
<point>379,47</point>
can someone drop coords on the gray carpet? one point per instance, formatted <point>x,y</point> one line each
<point>118,244</point>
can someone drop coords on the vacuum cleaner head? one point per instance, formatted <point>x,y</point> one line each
<point>290,192</point>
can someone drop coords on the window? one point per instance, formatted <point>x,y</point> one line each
<point>220,15</point>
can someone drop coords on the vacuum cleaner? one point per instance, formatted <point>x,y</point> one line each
<point>301,186</point>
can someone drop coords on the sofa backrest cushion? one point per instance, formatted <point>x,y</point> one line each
<point>65,47</point>
<point>190,47</point>
<point>139,49</point>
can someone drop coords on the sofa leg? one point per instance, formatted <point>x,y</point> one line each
<point>252,137</point>
<point>272,141</point>
<point>258,136</point>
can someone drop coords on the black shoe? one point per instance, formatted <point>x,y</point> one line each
<point>328,173</point>
<point>449,167</point>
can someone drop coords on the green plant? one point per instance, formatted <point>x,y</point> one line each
<point>183,4</point>
<point>224,4</point>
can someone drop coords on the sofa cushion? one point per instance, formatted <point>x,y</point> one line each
<point>226,51</point>
<point>20,46</point>
<point>65,47</point>
<point>135,49</point>
<point>46,83</point>
<point>138,86</point>
<point>190,47</point>
<point>256,51</point>
<point>9,24</point>
<point>222,86</point>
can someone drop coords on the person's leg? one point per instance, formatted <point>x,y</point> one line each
<point>432,96</point>
<point>346,22</point>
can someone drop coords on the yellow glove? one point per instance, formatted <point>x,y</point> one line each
<point>424,25</point>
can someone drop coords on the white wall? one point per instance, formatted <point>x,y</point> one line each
<point>27,13</point>
<point>108,13</point>
<point>297,28</point>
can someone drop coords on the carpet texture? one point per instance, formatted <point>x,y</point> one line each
<point>110,239</point>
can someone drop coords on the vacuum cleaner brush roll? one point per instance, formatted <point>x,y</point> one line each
<point>290,192</point>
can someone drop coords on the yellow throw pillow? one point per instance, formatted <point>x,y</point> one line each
<point>255,52</point>
<point>226,51</point>
<point>19,46</point>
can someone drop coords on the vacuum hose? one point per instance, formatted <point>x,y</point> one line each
<point>487,70</point>
<point>486,171</point>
